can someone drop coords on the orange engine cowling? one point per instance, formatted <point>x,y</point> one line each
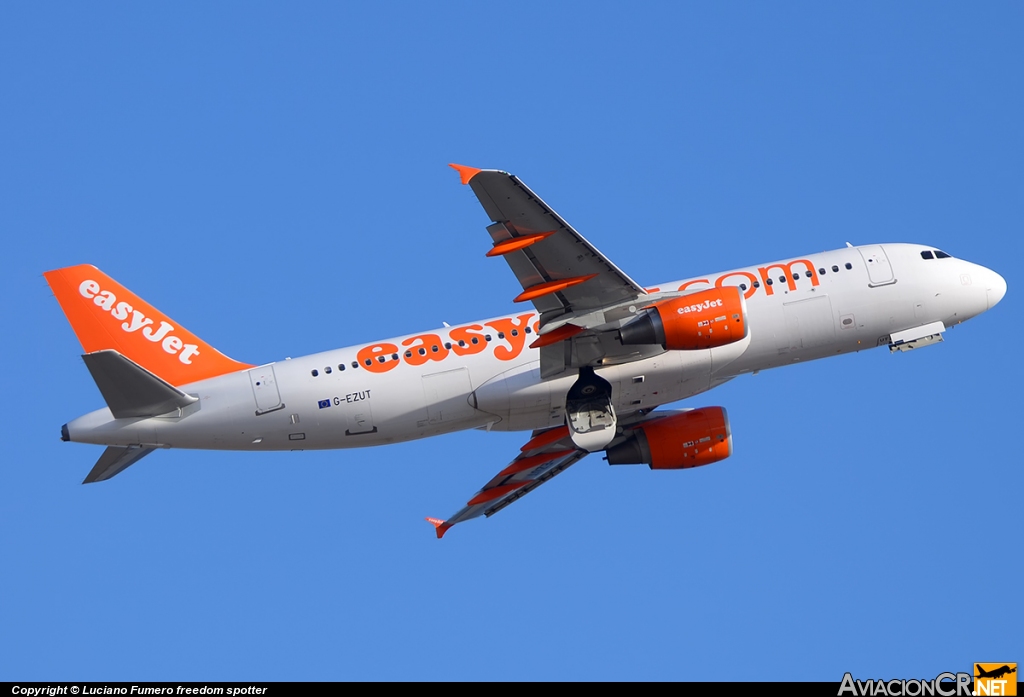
<point>701,320</point>
<point>677,441</point>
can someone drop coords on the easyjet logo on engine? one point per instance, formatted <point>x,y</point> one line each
<point>134,321</point>
<point>699,307</point>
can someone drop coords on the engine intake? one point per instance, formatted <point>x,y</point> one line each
<point>700,320</point>
<point>677,441</point>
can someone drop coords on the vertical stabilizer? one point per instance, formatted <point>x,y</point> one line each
<point>106,315</point>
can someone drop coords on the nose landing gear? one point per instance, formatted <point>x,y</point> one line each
<point>588,406</point>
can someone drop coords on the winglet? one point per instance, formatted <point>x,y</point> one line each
<point>465,173</point>
<point>439,525</point>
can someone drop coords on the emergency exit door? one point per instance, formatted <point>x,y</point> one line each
<point>264,389</point>
<point>879,269</point>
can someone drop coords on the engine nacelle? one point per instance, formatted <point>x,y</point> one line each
<point>677,441</point>
<point>700,320</point>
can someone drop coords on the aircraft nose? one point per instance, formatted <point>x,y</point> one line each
<point>995,289</point>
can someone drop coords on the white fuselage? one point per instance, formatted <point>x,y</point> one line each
<point>428,384</point>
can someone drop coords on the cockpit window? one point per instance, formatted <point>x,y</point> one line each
<point>926,255</point>
<point>941,255</point>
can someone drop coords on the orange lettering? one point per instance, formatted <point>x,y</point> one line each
<point>471,342</point>
<point>750,277</point>
<point>788,268</point>
<point>429,348</point>
<point>515,335</point>
<point>377,357</point>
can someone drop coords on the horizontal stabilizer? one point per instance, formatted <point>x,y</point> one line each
<point>114,460</point>
<point>130,390</point>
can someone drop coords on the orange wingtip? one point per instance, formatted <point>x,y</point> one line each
<point>465,173</point>
<point>440,526</point>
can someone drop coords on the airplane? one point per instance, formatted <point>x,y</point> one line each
<point>995,672</point>
<point>584,370</point>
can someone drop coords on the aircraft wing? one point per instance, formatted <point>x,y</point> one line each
<point>547,454</point>
<point>582,297</point>
<point>560,272</point>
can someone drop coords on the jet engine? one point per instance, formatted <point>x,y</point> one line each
<point>677,441</point>
<point>700,320</point>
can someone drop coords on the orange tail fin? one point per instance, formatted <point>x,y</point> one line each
<point>106,315</point>
<point>440,526</point>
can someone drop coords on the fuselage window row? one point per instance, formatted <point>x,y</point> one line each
<point>515,332</point>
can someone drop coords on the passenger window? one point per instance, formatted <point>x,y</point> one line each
<point>768,281</point>
<point>515,332</point>
<point>487,336</point>
<point>381,359</point>
<point>808,274</point>
<point>743,286</point>
<point>927,255</point>
<point>796,277</point>
<point>423,352</point>
<point>368,362</point>
<point>327,370</point>
<point>501,335</point>
<point>782,279</point>
<point>461,342</point>
<point>408,354</point>
<point>528,330</point>
<point>941,255</point>
<point>849,265</point>
<point>475,340</point>
<point>394,356</point>
<point>315,373</point>
<point>448,345</point>
<point>354,364</point>
<point>835,269</point>
<point>434,348</point>
<point>341,367</point>
<point>821,271</point>
<point>756,284</point>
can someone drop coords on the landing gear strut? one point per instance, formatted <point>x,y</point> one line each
<point>588,406</point>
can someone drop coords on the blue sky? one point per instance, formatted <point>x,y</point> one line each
<point>274,178</point>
